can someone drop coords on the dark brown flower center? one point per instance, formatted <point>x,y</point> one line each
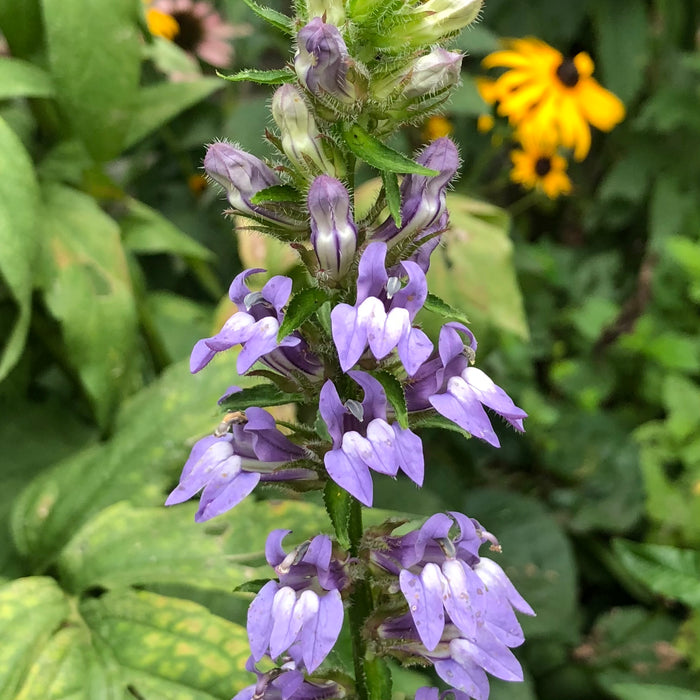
<point>191,31</point>
<point>568,73</point>
<point>543,165</point>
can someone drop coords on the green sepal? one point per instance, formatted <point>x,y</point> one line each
<point>378,675</point>
<point>395,394</point>
<point>377,154</point>
<point>262,77</point>
<point>276,19</point>
<point>438,421</point>
<point>252,586</point>
<point>440,307</point>
<point>276,193</point>
<point>392,194</point>
<point>259,395</point>
<point>302,306</point>
<point>338,502</point>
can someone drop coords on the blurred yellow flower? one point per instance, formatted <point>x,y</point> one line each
<point>484,123</point>
<point>162,24</point>
<point>436,127</point>
<point>197,183</point>
<point>539,166</point>
<point>544,93</point>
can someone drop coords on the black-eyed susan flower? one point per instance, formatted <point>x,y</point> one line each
<point>436,127</point>
<point>542,92</point>
<point>537,165</point>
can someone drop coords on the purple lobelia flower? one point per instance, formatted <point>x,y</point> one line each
<point>256,330</point>
<point>423,196</point>
<point>435,694</point>
<point>303,612</point>
<point>333,231</point>
<point>461,606</point>
<point>383,314</point>
<point>322,61</point>
<point>458,391</point>
<point>363,439</point>
<point>286,683</point>
<point>229,466</point>
<point>242,176</point>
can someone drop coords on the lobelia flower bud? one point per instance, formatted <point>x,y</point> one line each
<point>332,10</point>
<point>333,231</point>
<point>301,140</point>
<point>322,61</point>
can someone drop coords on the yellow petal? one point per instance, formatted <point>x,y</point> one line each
<point>584,65</point>
<point>600,107</point>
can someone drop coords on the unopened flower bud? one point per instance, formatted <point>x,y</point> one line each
<point>322,61</point>
<point>301,139</point>
<point>333,231</point>
<point>436,71</point>
<point>333,10</point>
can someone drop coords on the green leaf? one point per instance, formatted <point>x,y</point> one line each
<point>338,502</point>
<point>262,77</point>
<point>158,104</point>
<point>146,230</point>
<point>126,546</point>
<point>441,423</point>
<point>473,267</point>
<point>276,19</point>
<point>437,306</point>
<point>652,691</point>
<point>21,25</point>
<point>23,79</point>
<point>31,609</point>
<point>378,678</point>
<point>276,193</point>
<point>87,288</point>
<point>302,306</point>
<point>19,238</point>
<point>260,395</point>
<point>169,648</point>
<point>379,155</point>
<point>394,392</point>
<point>668,571</point>
<point>96,102</point>
<point>393,195</point>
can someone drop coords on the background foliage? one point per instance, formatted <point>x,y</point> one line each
<point>112,264</point>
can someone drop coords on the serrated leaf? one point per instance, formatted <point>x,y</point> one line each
<point>168,647</point>
<point>23,79</point>
<point>260,395</point>
<point>158,104</point>
<point>377,154</point>
<point>31,609</point>
<point>393,195</point>
<point>125,546</point>
<point>668,571</point>
<point>96,102</point>
<point>338,503</point>
<point>440,422</point>
<point>276,19</point>
<point>276,193</point>
<point>262,77</point>
<point>395,394</point>
<point>19,238</point>
<point>434,304</point>
<point>302,306</point>
<point>87,288</point>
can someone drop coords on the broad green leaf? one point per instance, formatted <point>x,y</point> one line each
<point>23,79</point>
<point>154,432</point>
<point>337,502</point>
<point>377,154</point>
<point>19,237</point>
<point>172,60</point>
<point>260,395</point>
<point>87,288</point>
<point>393,195</point>
<point>395,394</point>
<point>97,102</point>
<point>31,609</point>
<point>125,546</point>
<point>158,104</point>
<point>262,77</point>
<point>437,306</point>
<point>169,648</point>
<point>668,571</point>
<point>21,26</point>
<point>301,307</point>
<point>146,230</point>
<point>276,19</point>
<point>652,691</point>
<point>473,268</point>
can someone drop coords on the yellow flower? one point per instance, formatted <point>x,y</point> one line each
<point>162,24</point>
<point>539,166</point>
<point>544,93</point>
<point>484,123</point>
<point>437,126</point>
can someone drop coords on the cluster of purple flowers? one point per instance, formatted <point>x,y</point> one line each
<point>354,364</point>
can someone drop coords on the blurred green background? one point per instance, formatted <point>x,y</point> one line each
<point>115,258</point>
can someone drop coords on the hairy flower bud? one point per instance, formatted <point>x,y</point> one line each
<point>322,60</point>
<point>333,231</point>
<point>301,139</point>
<point>332,10</point>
